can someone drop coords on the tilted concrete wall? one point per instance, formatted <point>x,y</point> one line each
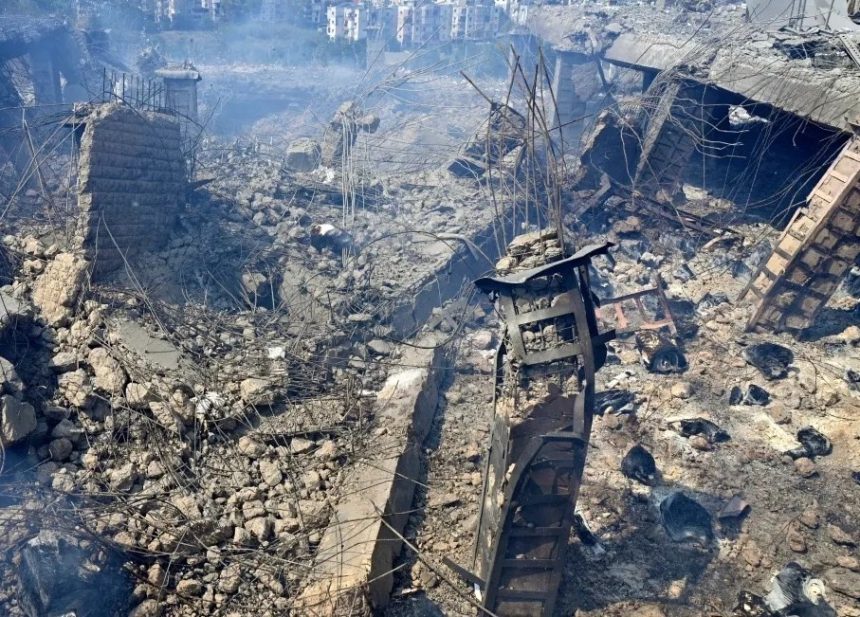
<point>131,178</point>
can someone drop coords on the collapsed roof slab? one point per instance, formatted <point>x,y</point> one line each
<point>828,97</point>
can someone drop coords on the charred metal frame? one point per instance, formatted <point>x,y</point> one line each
<point>622,319</point>
<point>537,455</point>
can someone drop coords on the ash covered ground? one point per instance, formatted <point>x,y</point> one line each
<point>183,429</point>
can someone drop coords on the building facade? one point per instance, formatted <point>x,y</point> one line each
<point>474,20</point>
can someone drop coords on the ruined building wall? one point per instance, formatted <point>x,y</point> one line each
<point>131,177</point>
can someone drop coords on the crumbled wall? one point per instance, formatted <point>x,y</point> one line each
<point>131,177</point>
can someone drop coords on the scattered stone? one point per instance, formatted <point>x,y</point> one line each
<point>255,391</point>
<point>810,517</point>
<point>189,587</point>
<point>682,390</point>
<point>805,467</point>
<point>300,445</point>
<point>18,419</point>
<point>796,540</point>
<point>380,347</point>
<point>75,387</point>
<point>271,473</point>
<point>250,447</point>
<point>138,395</point>
<point>844,581</point>
<point>109,374</point>
<point>60,449</point>
<point>840,536</point>
<point>64,361</point>
<point>12,384</point>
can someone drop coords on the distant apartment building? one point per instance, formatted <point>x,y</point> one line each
<point>516,10</point>
<point>414,22</point>
<point>184,13</point>
<point>356,22</point>
<point>308,12</point>
<point>423,22</point>
<point>474,20</point>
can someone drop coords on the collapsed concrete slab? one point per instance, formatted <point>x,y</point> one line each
<point>353,566</point>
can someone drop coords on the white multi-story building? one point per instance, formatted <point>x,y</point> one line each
<point>422,22</point>
<point>355,22</point>
<point>516,10</point>
<point>474,20</point>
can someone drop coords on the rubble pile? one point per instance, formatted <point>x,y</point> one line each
<point>788,458</point>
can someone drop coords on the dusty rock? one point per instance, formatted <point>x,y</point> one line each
<point>379,347</point>
<point>156,575</point>
<point>229,580</point>
<point>796,540</point>
<point>300,445</point>
<point>147,608</point>
<point>123,478</point>
<point>700,443</point>
<point>303,154</point>
<point>57,289</point>
<point>12,383</point>
<point>805,467</point>
<point>251,447</point>
<point>139,395</point>
<point>844,581</point>
<point>75,387</point>
<point>848,561</point>
<point>255,391</point>
<point>18,419</point>
<point>260,528</point>
<point>189,587</point>
<point>327,450</point>
<point>64,361</point>
<point>810,517</point>
<point>60,449</point>
<point>109,374</point>
<point>682,390</point>
<point>271,473</point>
<point>840,536</point>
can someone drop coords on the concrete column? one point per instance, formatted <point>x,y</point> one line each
<point>574,83</point>
<point>46,78</point>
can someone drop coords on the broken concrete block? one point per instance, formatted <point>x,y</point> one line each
<point>75,387</point>
<point>56,291</point>
<point>64,361</point>
<point>18,419</point>
<point>109,375</point>
<point>138,395</point>
<point>255,391</point>
<point>303,155</point>
<point>12,384</point>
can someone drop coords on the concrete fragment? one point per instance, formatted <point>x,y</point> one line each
<point>251,447</point>
<point>255,391</point>
<point>12,383</point>
<point>109,374</point>
<point>57,290</point>
<point>64,361</point>
<point>303,154</point>
<point>18,419</point>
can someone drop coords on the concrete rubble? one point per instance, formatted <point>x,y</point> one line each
<point>207,408</point>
